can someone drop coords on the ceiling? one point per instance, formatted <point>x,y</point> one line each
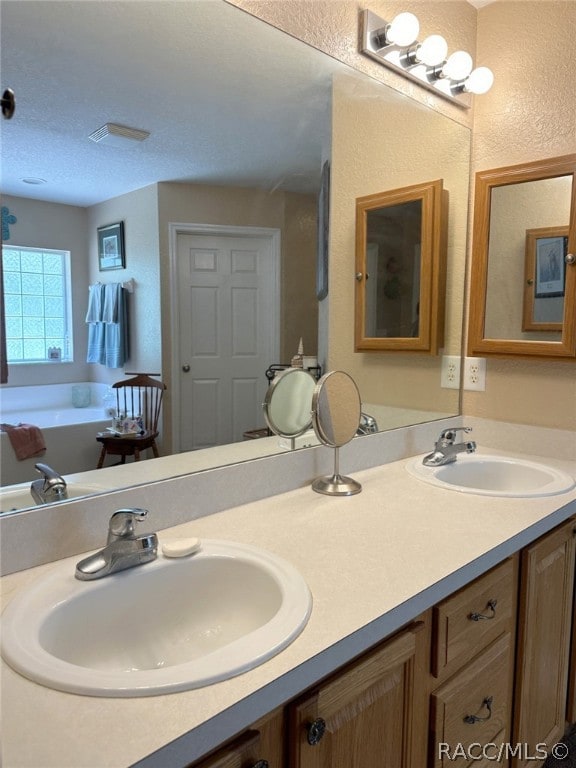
<point>176,69</point>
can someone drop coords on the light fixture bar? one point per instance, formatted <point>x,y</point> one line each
<point>373,43</point>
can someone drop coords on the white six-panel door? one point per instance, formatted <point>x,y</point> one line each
<point>227,307</point>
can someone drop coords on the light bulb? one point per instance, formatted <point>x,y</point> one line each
<point>480,81</point>
<point>458,66</point>
<point>432,51</point>
<point>403,30</point>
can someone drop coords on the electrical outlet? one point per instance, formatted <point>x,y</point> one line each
<point>450,372</point>
<point>475,373</point>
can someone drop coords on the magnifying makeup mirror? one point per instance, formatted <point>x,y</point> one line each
<point>336,410</point>
<point>288,403</point>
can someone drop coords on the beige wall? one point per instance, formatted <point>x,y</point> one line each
<point>378,146</point>
<point>138,211</point>
<point>529,114</point>
<point>382,141</point>
<point>332,27</point>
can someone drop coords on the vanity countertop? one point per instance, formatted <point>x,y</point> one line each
<point>372,561</point>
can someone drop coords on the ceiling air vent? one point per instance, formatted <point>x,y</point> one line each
<point>115,135</point>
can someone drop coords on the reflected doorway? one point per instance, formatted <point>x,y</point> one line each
<point>228,318</point>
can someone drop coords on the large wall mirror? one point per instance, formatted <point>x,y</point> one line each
<point>285,104</point>
<point>523,280</point>
<point>401,269</point>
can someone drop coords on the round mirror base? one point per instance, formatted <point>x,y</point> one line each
<point>336,485</point>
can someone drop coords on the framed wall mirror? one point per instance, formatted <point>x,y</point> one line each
<point>401,269</point>
<point>523,278</point>
<point>234,176</point>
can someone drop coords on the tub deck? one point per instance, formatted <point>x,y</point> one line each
<point>69,433</point>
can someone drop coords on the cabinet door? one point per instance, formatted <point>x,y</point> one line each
<point>363,717</point>
<point>260,747</point>
<point>547,582</point>
<point>473,709</point>
<point>571,708</point>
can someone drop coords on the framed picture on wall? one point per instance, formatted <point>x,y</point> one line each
<point>550,265</point>
<point>111,247</point>
<point>544,278</point>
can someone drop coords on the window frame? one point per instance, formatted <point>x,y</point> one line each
<point>67,355</point>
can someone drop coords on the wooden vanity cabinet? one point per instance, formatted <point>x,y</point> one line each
<point>571,703</point>
<point>487,665</point>
<point>371,714</point>
<point>473,667</point>
<point>544,632</point>
<point>262,746</point>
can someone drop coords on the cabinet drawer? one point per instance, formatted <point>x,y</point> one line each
<point>473,708</point>
<point>471,619</point>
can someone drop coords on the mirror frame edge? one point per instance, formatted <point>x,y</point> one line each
<point>485,181</point>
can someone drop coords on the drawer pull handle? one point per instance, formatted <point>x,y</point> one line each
<point>261,764</point>
<point>471,719</point>
<point>316,731</point>
<point>491,604</point>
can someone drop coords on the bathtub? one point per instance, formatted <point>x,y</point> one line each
<point>69,432</point>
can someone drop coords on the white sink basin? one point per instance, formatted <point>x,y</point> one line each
<point>167,626</point>
<point>19,496</point>
<point>494,476</point>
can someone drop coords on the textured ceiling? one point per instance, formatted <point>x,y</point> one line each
<point>227,99</point>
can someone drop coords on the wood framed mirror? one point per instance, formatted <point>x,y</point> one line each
<point>401,269</point>
<point>523,275</point>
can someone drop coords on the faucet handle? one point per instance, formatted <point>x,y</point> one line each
<point>121,524</point>
<point>447,436</point>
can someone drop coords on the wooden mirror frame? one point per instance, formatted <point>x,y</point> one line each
<point>485,182</point>
<point>432,268</point>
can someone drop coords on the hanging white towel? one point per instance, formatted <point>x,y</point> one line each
<point>95,303</point>
<point>95,352</point>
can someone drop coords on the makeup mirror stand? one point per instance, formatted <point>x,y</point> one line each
<point>336,411</point>
<point>337,484</point>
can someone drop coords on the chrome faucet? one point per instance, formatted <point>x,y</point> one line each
<point>51,487</point>
<point>445,449</point>
<point>123,548</point>
<point>367,425</point>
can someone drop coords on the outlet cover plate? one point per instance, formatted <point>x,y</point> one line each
<point>450,372</point>
<point>475,374</point>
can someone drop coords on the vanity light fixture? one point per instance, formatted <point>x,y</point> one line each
<point>395,45</point>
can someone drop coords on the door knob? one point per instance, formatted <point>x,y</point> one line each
<point>186,368</point>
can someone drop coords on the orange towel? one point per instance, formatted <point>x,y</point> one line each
<point>26,439</point>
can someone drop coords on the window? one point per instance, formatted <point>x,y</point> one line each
<point>37,304</point>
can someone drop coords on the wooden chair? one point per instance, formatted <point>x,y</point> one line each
<point>139,396</point>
